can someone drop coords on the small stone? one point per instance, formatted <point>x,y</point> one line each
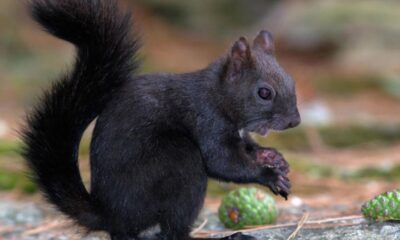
<point>296,201</point>
<point>388,230</point>
<point>20,214</point>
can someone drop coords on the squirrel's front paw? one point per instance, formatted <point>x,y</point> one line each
<point>276,170</point>
<point>271,158</point>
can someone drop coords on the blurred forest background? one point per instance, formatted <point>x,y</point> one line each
<point>344,56</point>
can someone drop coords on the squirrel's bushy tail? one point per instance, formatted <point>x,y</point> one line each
<point>105,60</point>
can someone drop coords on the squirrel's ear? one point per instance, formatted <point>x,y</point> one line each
<point>239,58</point>
<point>265,42</point>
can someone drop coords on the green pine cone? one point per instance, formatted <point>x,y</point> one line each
<point>247,207</point>
<point>385,206</point>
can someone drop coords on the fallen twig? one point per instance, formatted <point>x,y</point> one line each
<point>47,226</point>
<point>200,227</point>
<point>299,226</point>
<point>307,224</point>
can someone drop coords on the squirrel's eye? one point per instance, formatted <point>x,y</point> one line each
<point>265,93</point>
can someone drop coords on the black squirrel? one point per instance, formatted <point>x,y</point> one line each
<point>158,137</point>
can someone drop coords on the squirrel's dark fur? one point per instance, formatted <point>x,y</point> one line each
<point>158,137</point>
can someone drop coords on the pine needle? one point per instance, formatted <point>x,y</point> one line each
<point>299,226</point>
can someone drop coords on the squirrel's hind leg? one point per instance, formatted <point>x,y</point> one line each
<point>119,236</point>
<point>236,236</point>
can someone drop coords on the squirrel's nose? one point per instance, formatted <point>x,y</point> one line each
<point>295,121</point>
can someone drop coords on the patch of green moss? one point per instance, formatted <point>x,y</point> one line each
<point>173,11</point>
<point>10,147</point>
<point>350,136</point>
<point>216,188</point>
<point>293,139</point>
<point>219,17</point>
<point>388,174</point>
<point>10,180</point>
<point>332,136</point>
<point>310,168</point>
<point>347,86</point>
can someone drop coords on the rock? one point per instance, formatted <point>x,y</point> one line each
<point>20,214</point>
<point>96,236</point>
<point>389,230</point>
<point>365,230</point>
